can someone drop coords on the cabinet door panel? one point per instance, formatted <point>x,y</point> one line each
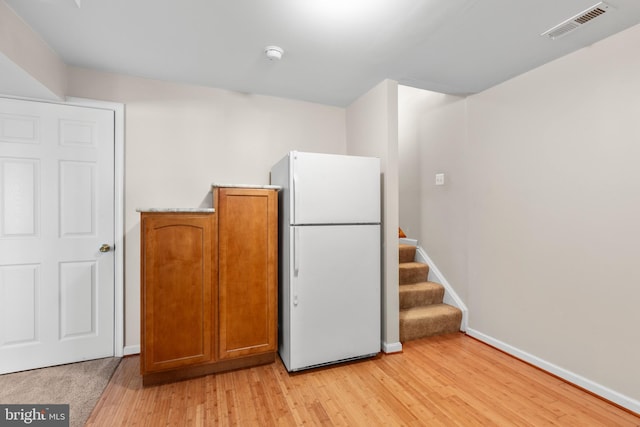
<point>248,243</point>
<point>177,282</point>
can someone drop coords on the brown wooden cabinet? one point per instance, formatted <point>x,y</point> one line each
<point>209,286</point>
<point>177,286</point>
<point>247,287</point>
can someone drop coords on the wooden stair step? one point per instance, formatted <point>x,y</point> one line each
<point>407,253</point>
<point>423,293</point>
<point>436,319</point>
<point>413,272</point>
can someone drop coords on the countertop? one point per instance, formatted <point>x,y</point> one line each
<point>177,210</point>
<point>210,210</point>
<point>258,186</point>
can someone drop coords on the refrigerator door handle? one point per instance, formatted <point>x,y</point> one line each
<point>296,197</point>
<point>296,251</point>
<point>296,262</point>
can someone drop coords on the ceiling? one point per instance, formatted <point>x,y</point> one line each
<point>334,50</point>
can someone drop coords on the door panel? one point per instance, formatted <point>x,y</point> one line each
<point>177,252</point>
<point>22,128</point>
<point>248,244</point>
<point>21,286</point>
<point>77,299</point>
<point>77,198</point>
<point>56,210</point>
<point>20,191</point>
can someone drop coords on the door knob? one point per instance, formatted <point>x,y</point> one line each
<point>105,248</point>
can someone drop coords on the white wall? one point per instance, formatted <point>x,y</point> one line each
<point>552,206</point>
<point>28,66</point>
<point>180,139</point>
<point>410,111</point>
<point>432,139</point>
<point>372,130</point>
<point>554,209</point>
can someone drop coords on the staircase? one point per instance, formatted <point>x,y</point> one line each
<point>422,312</point>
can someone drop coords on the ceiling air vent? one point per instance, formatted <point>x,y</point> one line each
<point>577,21</point>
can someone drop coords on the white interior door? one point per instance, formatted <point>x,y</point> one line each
<point>56,211</point>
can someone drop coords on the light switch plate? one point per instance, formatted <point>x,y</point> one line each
<point>439,179</point>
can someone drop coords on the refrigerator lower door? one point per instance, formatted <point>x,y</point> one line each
<point>335,294</point>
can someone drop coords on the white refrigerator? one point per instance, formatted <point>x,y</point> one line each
<point>329,275</point>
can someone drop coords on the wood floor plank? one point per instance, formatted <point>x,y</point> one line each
<point>451,380</point>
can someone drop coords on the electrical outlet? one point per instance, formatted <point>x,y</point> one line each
<point>439,179</point>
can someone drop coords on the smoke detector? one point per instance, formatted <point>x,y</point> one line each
<point>273,52</point>
<point>577,21</point>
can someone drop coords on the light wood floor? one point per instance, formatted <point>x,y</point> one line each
<point>443,381</point>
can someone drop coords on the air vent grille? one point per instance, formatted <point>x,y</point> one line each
<point>576,21</point>
<point>590,15</point>
<point>562,30</point>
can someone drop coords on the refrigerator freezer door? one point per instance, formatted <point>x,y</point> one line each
<point>335,294</point>
<point>334,189</point>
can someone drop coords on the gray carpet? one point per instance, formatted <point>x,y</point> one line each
<point>78,384</point>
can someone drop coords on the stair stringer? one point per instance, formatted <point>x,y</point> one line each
<point>435,275</point>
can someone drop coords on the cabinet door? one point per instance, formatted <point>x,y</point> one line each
<point>177,253</point>
<point>248,248</point>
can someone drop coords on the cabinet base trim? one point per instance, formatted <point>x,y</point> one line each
<point>210,368</point>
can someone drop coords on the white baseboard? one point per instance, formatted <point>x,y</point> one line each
<point>131,349</point>
<point>394,347</point>
<point>573,378</point>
